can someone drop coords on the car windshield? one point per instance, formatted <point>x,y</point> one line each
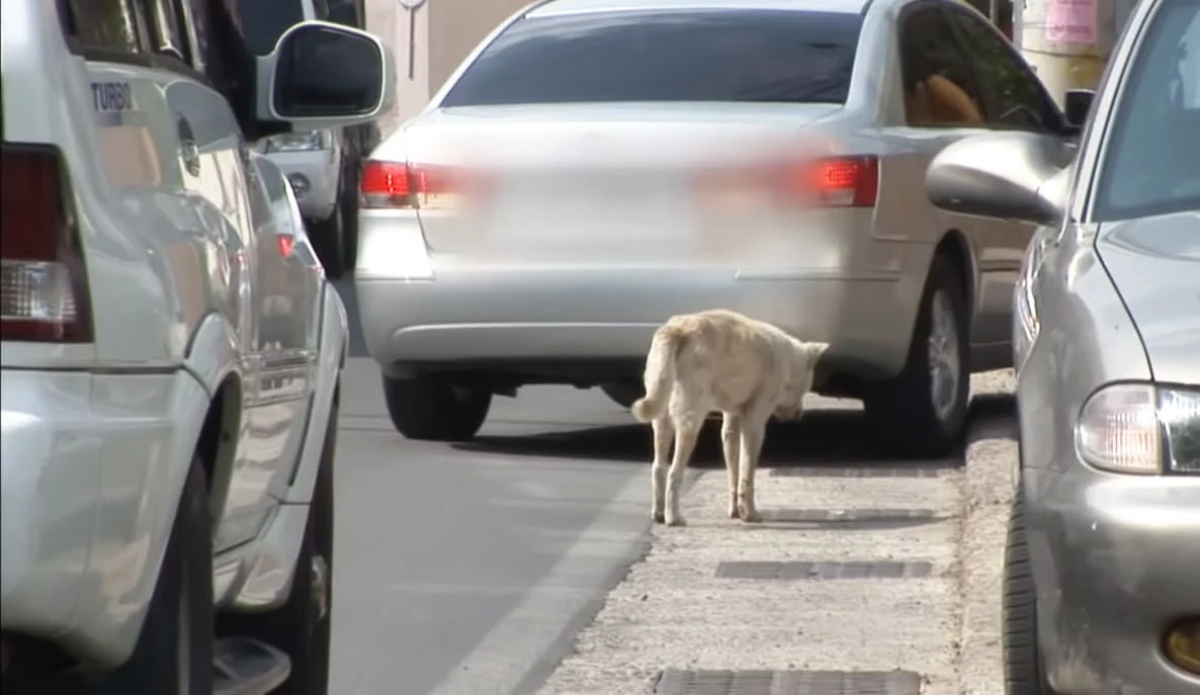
<point>264,21</point>
<point>1153,162</point>
<point>698,55</point>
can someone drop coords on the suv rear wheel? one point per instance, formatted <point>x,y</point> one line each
<point>436,409</point>
<point>921,412</point>
<point>174,652</point>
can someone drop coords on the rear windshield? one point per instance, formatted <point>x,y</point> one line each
<point>264,21</point>
<point>696,55</point>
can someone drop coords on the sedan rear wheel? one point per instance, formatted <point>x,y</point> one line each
<point>921,412</point>
<point>436,409</point>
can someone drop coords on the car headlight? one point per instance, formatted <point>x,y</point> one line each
<point>298,142</point>
<point>1025,315</point>
<point>1141,429</point>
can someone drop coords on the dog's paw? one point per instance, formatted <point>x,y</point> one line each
<point>749,516</point>
<point>675,521</point>
<point>734,513</point>
<point>658,517</point>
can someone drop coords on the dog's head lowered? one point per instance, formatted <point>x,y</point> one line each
<point>805,357</point>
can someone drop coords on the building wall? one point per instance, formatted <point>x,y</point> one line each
<point>446,31</point>
<point>456,27</point>
<point>390,22</point>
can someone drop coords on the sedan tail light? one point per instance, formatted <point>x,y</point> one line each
<point>841,182</point>
<point>834,182</point>
<point>43,279</point>
<point>403,185</point>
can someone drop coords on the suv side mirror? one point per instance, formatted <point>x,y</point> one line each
<point>325,75</point>
<point>1078,103</point>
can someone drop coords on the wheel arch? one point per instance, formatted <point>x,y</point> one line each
<point>955,247</point>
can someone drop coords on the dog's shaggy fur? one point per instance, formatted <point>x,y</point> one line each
<point>720,360</point>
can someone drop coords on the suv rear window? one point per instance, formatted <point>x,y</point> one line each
<point>696,55</point>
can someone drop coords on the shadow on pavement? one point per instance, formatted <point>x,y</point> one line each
<point>824,438</point>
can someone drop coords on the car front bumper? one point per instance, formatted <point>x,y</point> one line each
<point>314,175</point>
<point>1116,561</point>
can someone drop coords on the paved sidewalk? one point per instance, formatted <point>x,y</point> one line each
<point>694,610</point>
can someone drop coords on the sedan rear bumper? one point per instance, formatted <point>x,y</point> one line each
<point>527,314</point>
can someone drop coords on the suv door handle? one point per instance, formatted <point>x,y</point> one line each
<point>189,153</point>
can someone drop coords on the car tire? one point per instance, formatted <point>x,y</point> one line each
<point>1023,673</point>
<point>349,203</point>
<point>329,240</point>
<point>623,393</point>
<point>435,409</point>
<point>922,412</point>
<point>301,627</point>
<point>175,645</point>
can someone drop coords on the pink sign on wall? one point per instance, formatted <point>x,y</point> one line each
<point>1071,21</point>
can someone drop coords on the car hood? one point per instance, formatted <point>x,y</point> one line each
<point>1155,264</point>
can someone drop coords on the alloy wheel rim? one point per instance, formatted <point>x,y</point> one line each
<point>945,369</point>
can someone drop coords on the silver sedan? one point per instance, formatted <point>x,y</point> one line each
<point>1102,580</point>
<point>594,167</point>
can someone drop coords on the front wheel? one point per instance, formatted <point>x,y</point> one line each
<point>922,412</point>
<point>328,239</point>
<point>1023,672</point>
<point>436,409</point>
<point>300,627</point>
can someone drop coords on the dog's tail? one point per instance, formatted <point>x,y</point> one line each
<point>660,373</point>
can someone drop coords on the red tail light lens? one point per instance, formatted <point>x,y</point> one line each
<point>844,181</point>
<point>43,281</point>
<point>397,185</point>
<point>387,185</point>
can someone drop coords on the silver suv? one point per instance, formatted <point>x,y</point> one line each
<point>171,349</point>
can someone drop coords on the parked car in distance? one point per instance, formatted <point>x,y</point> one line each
<point>171,351</point>
<point>323,165</point>
<point>1100,586</point>
<point>477,276</point>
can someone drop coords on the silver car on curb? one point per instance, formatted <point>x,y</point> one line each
<point>557,200</point>
<point>1102,576</point>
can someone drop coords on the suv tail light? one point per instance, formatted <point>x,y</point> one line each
<point>399,185</point>
<point>43,282</point>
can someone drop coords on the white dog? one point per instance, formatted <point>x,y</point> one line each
<point>720,360</point>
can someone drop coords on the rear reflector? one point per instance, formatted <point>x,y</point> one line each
<point>43,281</point>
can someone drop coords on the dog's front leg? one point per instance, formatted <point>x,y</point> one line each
<point>687,430</point>
<point>731,437</point>
<point>754,431</point>
<point>664,430</point>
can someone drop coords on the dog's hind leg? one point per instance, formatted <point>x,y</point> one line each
<point>664,431</point>
<point>731,436</point>
<point>754,432</point>
<point>687,430</point>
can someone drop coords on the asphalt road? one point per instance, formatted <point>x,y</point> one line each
<point>469,568</point>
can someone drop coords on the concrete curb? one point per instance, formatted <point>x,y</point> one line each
<point>987,492</point>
